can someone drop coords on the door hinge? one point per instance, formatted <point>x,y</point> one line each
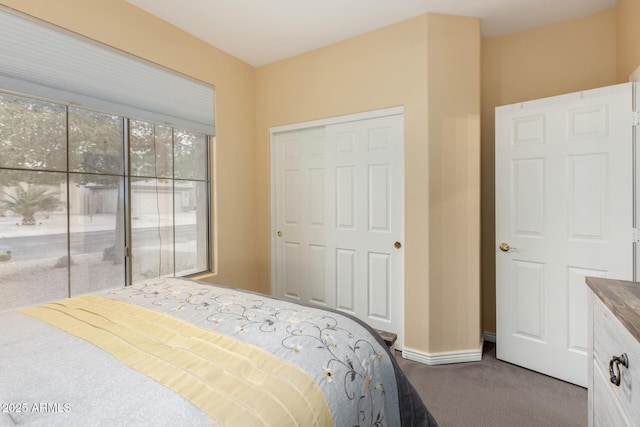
<point>636,118</point>
<point>636,235</point>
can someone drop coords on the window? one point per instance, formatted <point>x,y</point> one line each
<point>169,189</point>
<point>95,177</point>
<point>77,187</point>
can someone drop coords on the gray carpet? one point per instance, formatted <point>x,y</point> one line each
<point>494,393</point>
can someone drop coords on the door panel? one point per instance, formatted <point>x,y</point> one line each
<point>291,261</point>
<point>345,197</point>
<point>578,308</point>
<point>379,200</point>
<point>528,197</point>
<point>369,214</point>
<point>587,177</point>
<point>346,280</point>
<point>339,205</point>
<point>564,201</point>
<point>317,278</point>
<point>300,266</point>
<point>529,283</point>
<point>379,286</point>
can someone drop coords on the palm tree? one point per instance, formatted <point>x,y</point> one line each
<point>28,201</point>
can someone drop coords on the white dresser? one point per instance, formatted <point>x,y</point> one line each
<point>614,352</point>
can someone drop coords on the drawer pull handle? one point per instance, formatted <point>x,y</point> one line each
<point>617,360</point>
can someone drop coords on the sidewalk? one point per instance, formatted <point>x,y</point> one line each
<point>10,226</point>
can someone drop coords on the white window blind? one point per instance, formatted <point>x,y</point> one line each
<point>48,62</point>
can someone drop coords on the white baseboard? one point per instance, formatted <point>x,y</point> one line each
<point>490,336</point>
<point>442,358</point>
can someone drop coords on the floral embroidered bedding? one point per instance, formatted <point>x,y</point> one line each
<point>176,352</point>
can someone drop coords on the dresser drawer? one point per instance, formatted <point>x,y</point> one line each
<point>611,338</point>
<point>607,408</point>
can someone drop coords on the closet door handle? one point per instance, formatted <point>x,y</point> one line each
<point>616,361</point>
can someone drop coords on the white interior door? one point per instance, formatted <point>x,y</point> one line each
<point>564,205</point>
<point>339,216</point>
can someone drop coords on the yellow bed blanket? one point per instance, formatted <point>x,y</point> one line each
<point>235,383</point>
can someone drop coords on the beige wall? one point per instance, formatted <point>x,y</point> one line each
<point>119,24</point>
<point>403,64</point>
<point>628,32</point>
<point>454,186</point>
<point>552,60</point>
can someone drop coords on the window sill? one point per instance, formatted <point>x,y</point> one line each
<point>202,276</point>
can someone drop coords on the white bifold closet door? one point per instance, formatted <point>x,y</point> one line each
<point>339,218</point>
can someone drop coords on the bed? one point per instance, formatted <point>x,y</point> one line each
<point>178,352</point>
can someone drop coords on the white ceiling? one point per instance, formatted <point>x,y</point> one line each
<point>264,31</point>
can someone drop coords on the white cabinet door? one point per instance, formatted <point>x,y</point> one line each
<point>564,199</point>
<point>339,212</point>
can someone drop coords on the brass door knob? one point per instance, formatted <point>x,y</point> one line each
<point>397,245</point>
<point>504,247</point>
<point>279,233</point>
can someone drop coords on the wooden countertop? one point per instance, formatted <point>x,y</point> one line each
<point>622,298</point>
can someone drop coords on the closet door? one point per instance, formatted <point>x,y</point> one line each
<point>339,218</point>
